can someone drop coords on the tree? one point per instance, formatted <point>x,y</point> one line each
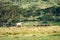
<point>9,12</point>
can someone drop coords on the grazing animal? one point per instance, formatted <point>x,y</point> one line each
<point>41,25</point>
<point>18,24</point>
<point>44,25</point>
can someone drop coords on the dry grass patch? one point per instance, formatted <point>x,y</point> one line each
<point>29,31</point>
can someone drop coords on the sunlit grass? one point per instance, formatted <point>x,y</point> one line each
<point>28,31</point>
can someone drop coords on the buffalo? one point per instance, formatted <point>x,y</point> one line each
<point>37,25</point>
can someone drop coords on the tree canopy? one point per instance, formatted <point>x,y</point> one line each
<point>13,11</point>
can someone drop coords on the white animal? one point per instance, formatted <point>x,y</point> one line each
<point>19,24</point>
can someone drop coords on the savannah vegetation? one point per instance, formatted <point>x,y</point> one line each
<point>41,11</point>
<point>30,12</point>
<point>30,33</point>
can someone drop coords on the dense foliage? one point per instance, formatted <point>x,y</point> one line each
<point>13,11</point>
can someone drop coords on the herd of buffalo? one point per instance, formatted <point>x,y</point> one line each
<point>35,25</point>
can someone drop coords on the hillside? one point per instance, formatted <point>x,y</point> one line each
<point>13,11</point>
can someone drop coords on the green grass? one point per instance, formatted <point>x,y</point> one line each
<point>30,38</point>
<point>55,23</point>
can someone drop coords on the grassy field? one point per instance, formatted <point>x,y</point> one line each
<point>31,38</point>
<point>30,33</point>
